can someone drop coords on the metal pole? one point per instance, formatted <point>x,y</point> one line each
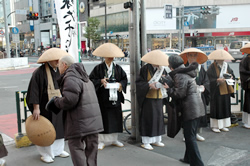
<point>143,28</point>
<point>106,39</point>
<point>79,33</point>
<point>182,27</point>
<point>179,32</point>
<point>134,68</point>
<point>6,31</point>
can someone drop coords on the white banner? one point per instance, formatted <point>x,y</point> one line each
<point>67,20</point>
<point>156,21</point>
<point>236,16</point>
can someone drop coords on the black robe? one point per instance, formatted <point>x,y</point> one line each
<point>37,94</point>
<point>151,110</point>
<point>220,105</point>
<point>245,81</point>
<point>111,114</point>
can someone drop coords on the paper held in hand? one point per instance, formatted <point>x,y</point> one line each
<point>230,81</point>
<point>112,86</point>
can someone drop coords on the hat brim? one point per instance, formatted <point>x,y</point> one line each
<point>40,132</point>
<point>156,57</point>
<point>201,56</point>
<point>220,55</point>
<point>246,48</point>
<point>108,50</point>
<point>51,55</point>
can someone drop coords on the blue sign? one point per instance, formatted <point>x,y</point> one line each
<point>186,23</point>
<point>15,30</point>
<point>110,32</point>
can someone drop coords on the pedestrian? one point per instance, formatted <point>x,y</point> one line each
<point>3,151</point>
<point>221,79</point>
<point>90,54</point>
<point>189,103</point>
<point>110,80</point>
<point>42,87</point>
<point>245,84</point>
<point>150,95</point>
<point>83,120</point>
<point>190,56</point>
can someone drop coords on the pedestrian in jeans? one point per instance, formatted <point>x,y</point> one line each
<point>189,104</point>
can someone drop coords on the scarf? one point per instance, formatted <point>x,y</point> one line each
<point>156,78</point>
<point>113,87</point>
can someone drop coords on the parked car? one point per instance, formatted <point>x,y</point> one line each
<point>234,49</point>
<point>171,53</point>
<point>173,50</point>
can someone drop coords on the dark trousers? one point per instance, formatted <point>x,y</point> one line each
<point>192,154</point>
<point>83,150</point>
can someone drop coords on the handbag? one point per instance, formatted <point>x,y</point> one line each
<point>3,150</point>
<point>166,79</point>
<point>51,89</point>
<point>174,120</point>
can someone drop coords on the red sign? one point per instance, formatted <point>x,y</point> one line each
<point>198,35</point>
<point>243,33</point>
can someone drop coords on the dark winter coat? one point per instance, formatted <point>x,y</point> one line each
<point>79,102</point>
<point>184,92</point>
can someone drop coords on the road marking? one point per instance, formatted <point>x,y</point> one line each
<point>8,87</point>
<point>224,156</point>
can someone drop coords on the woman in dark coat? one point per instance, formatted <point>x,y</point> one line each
<point>245,84</point>
<point>195,55</point>
<point>220,91</point>
<point>189,103</point>
<point>109,98</point>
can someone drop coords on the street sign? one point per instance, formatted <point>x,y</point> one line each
<point>32,40</point>
<point>22,12</point>
<point>15,30</point>
<point>186,23</point>
<point>168,11</point>
<point>1,32</point>
<point>15,38</point>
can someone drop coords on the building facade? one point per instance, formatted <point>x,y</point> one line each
<point>227,22</point>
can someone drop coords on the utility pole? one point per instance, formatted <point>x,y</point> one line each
<point>143,28</point>
<point>134,44</point>
<point>105,6</point>
<point>182,27</point>
<point>6,30</point>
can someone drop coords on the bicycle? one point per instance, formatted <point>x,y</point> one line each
<point>127,119</point>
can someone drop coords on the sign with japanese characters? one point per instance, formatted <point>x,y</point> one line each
<point>67,20</point>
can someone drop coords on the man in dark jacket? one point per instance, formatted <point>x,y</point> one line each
<point>189,103</point>
<point>83,120</point>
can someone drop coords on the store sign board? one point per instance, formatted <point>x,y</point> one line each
<point>243,33</point>
<point>156,21</point>
<point>233,17</point>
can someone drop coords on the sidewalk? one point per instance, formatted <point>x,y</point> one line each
<point>129,155</point>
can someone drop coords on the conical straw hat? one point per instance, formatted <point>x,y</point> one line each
<point>108,50</point>
<point>51,55</point>
<point>220,55</point>
<point>201,56</point>
<point>156,57</point>
<point>246,48</point>
<point>40,132</point>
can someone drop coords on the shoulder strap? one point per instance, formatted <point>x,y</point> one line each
<point>49,77</point>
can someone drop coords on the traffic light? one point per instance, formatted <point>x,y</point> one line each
<point>127,5</point>
<point>32,16</point>
<point>205,10</point>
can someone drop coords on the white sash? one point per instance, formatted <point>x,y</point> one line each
<point>223,71</point>
<point>112,91</point>
<point>156,78</point>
